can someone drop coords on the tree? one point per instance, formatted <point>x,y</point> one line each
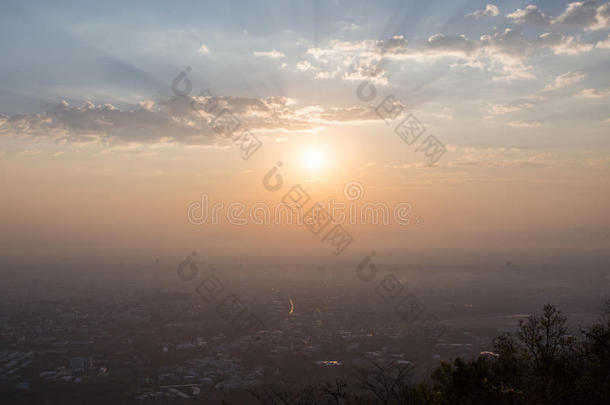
<point>389,382</point>
<point>542,365</point>
<point>544,337</point>
<point>594,380</point>
<point>336,390</point>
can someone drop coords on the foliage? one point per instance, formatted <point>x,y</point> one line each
<point>541,364</point>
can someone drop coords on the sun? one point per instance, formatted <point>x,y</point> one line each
<point>314,158</point>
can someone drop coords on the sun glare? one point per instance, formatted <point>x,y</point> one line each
<point>313,158</point>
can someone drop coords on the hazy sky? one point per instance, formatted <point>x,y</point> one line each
<point>97,153</point>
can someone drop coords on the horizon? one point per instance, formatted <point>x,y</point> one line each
<point>206,201</point>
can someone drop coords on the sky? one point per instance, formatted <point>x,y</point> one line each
<point>104,148</point>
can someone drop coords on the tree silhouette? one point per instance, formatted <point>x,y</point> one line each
<point>542,364</point>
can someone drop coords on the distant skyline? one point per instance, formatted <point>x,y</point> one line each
<point>97,152</point>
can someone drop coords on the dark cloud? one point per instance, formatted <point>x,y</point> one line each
<point>176,119</point>
<point>451,43</point>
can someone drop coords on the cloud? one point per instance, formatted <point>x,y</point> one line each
<point>590,15</point>
<point>363,72</point>
<point>525,124</point>
<point>565,80</point>
<point>392,46</point>
<point>510,42</point>
<point>500,109</point>
<point>273,54</point>
<point>368,48</point>
<point>605,44</point>
<point>594,93</point>
<point>147,104</point>
<point>29,152</point>
<point>339,115</point>
<point>471,157</point>
<point>502,53</point>
<point>562,44</point>
<point>490,10</point>
<point>506,52</point>
<point>303,65</point>
<point>203,49</point>
<point>585,14</point>
<point>530,15</point>
<point>602,17</point>
<point>174,120</point>
<point>356,60</point>
<point>452,43</point>
<point>513,43</point>
<point>101,124</point>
